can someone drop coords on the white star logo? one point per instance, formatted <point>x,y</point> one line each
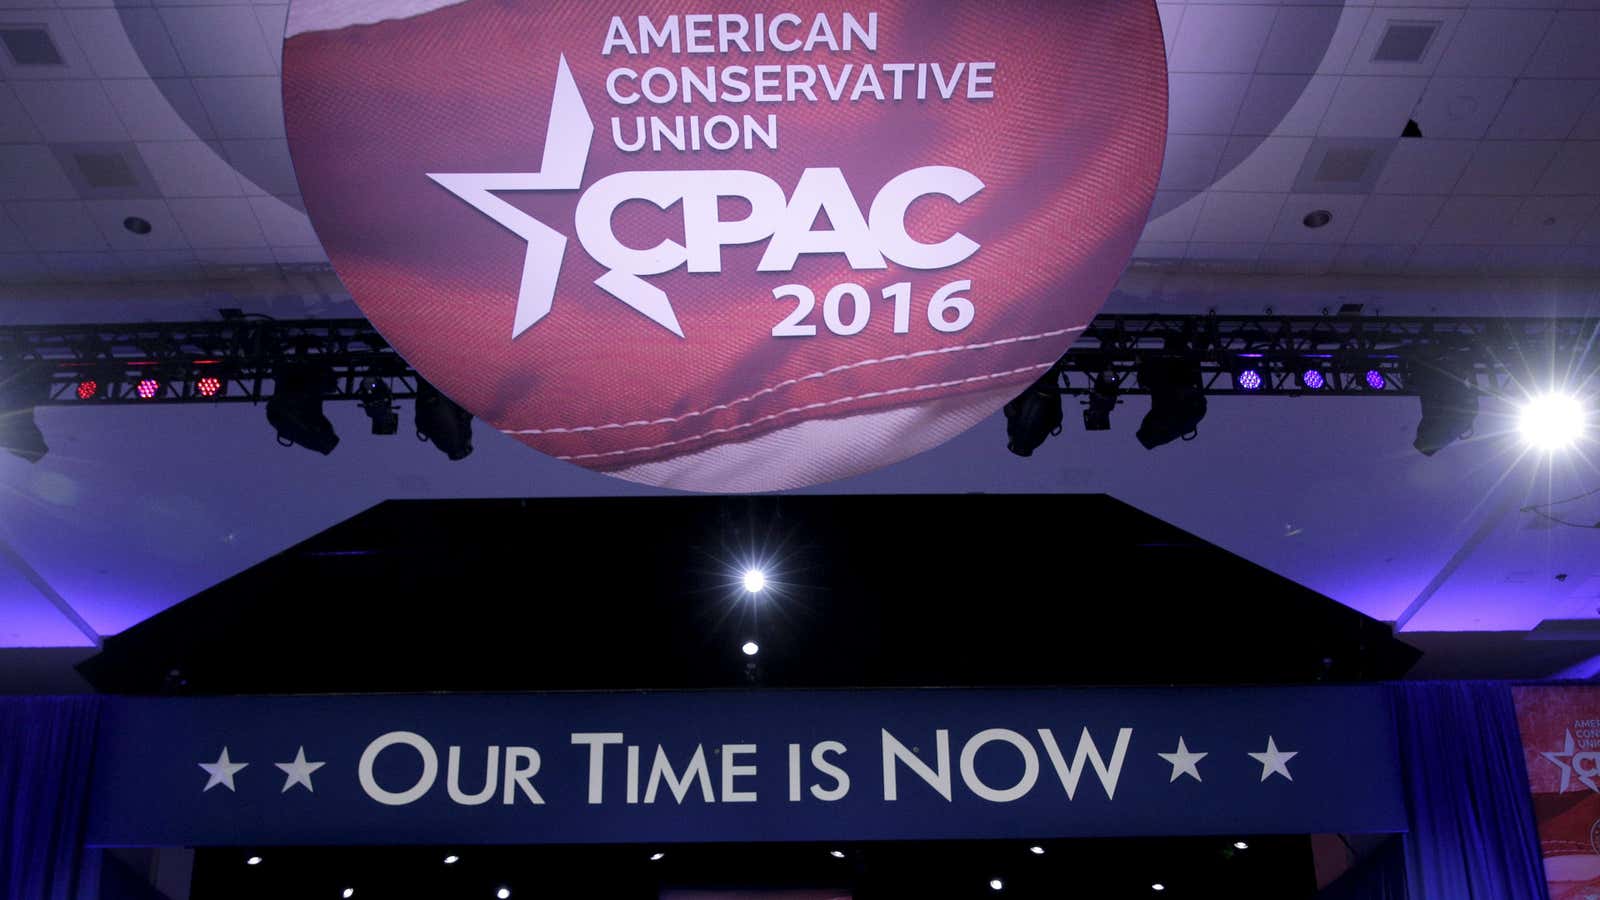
<point>221,771</point>
<point>1560,758</point>
<point>1275,761</point>
<point>298,772</point>
<point>566,150</point>
<point>1183,762</point>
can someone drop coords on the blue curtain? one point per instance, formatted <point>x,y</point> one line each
<point>1472,831</point>
<point>46,749</point>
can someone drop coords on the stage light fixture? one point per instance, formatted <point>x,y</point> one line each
<point>253,861</point>
<point>1249,380</point>
<point>503,893</point>
<point>377,401</point>
<point>208,385</point>
<point>20,391</point>
<point>1177,400</point>
<point>1312,379</point>
<point>755,581</point>
<point>751,648</point>
<point>88,389</point>
<point>147,388</point>
<point>1033,415</point>
<point>1036,850</point>
<point>1240,845</point>
<point>295,408</point>
<point>1552,422</point>
<point>1102,401</point>
<point>1375,380</point>
<point>451,860</point>
<point>1158,886</point>
<point>657,856</point>
<point>1449,405</point>
<point>836,854</point>
<point>348,893</point>
<point>442,423</point>
<point>996,884</point>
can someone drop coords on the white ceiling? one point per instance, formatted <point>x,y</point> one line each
<point>1505,180</point>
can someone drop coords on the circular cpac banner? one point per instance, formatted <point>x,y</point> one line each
<point>741,250</point>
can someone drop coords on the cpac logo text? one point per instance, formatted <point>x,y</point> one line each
<point>867,241</point>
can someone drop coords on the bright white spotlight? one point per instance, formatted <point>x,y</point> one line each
<point>755,580</point>
<point>451,860</point>
<point>1552,421</point>
<point>503,893</point>
<point>996,884</point>
<point>836,854</point>
<point>1158,886</point>
<point>656,857</point>
<point>253,861</point>
<point>751,648</point>
<point>348,893</point>
<point>1240,845</point>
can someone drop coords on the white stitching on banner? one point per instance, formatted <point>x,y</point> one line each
<point>794,381</point>
<point>810,406</point>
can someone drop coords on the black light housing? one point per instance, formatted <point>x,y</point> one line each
<point>1449,403</point>
<point>1102,401</point>
<point>1177,400</point>
<point>377,401</point>
<point>295,408</point>
<point>1033,415</point>
<point>20,391</point>
<point>442,423</point>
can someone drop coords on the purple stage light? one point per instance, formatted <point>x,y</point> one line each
<point>1313,379</point>
<point>1375,380</point>
<point>1249,380</point>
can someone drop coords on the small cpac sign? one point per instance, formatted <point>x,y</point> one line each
<point>728,250</point>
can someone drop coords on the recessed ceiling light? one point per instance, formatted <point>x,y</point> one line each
<point>836,854</point>
<point>451,860</point>
<point>1036,850</point>
<point>996,884</point>
<point>1240,845</point>
<point>755,580</point>
<point>1317,218</point>
<point>137,225</point>
<point>654,857</point>
<point>503,893</point>
<point>253,861</point>
<point>1552,421</point>
<point>1158,886</point>
<point>348,893</point>
<point>751,648</point>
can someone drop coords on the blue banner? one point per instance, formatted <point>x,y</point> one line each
<point>744,766</point>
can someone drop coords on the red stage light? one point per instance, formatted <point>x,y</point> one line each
<point>87,389</point>
<point>148,388</point>
<point>208,385</point>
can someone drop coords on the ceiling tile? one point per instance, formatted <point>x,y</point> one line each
<point>1344,165</point>
<point>1571,48</point>
<point>71,111</point>
<point>11,240</point>
<point>1422,166</point>
<point>1296,259</point>
<point>1261,164</point>
<point>1590,232</point>
<point>1372,259</point>
<point>1460,107</point>
<point>1371,107</point>
<point>23,268</point>
<point>1581,259</point>
<point>1395,219</point>
<point>1574,170</point>
<point>1550,220</point>
<point>1543,109</point>
<point>79,267</point>
<point>15,126</point>
<point>1237,217</point>
<point>1588,128</point>
<point>283,225</point>
<point>163,234</point>
<point>56,225</point>
<point>1495,42</point>
<point>190,169</point>
<point>1172,216</point>
<point>217,223</point>
<point>273,19</point>
<point>1191,161</point>
<point>1473,220</point>
<point>218,40</point>
<point>1221,257</point>
<point>1307,39</point>
<point>1171,17</point>
<point>1221,38</point>
<point>1291,227</point>
<point>243,107</point>
<point>159,265</point>
<point>1160,250</point>
<point>1448,259</point>
<point>125,43</point>
<point>264,167</point>
<point>1199,103</point>
<point>1289,105</point>
<point>31,172</point>
<point>1506,167</point>
<point>1525,259</point>
<point>164,110</point>
<point>74,64</point>
<point>1362,61</point>
<point>301,256</point>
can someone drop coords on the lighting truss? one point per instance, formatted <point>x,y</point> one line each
<point>241,353</point>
